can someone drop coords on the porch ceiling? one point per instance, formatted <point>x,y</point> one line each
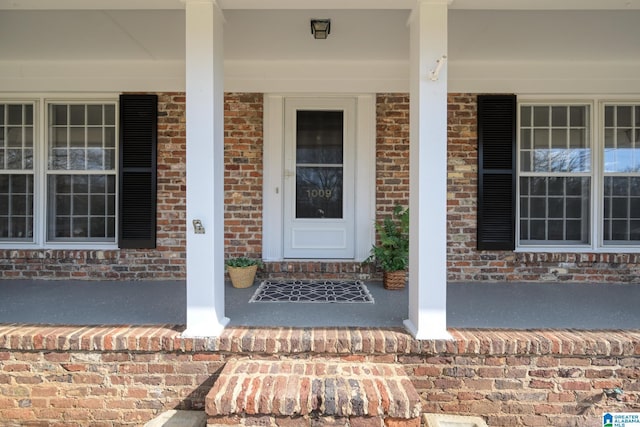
<point>282,35</point>
<point>519,46</point>
<point>324,4</point>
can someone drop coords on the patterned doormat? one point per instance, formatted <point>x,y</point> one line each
<point>315,291</point>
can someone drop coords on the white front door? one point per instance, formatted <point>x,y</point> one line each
<point>319,178</point>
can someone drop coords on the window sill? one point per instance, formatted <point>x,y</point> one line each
<point>58,246</point>
<point>579,249</point>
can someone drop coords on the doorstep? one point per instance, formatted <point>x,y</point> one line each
<point>301,391</point>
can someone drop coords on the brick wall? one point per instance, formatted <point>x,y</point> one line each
<point>167,261</point>
<point>392,152</point>
<point>465,263</point>
<point>243,207</point>
<point>124,376</point>
<point>243,143</point>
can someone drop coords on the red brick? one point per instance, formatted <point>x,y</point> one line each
<point>396,422</point>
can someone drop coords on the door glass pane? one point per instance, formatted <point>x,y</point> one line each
<point>319,192</point>
<point>319,168</point>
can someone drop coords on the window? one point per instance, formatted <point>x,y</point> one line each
<point>621,222</point>
<point>16,171</point>
<point>579,175</point>
<point>58,172</point>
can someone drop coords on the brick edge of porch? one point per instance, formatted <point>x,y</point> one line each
<point>337,341</point>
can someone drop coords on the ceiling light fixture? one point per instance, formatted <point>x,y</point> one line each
<point>320,28</point>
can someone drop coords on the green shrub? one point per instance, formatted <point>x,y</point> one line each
<point>391,252</point>
<point>243,262</point>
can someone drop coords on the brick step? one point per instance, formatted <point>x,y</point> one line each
<point>301,392</point>
<point>319,270</point>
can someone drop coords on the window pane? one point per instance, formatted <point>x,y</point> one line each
<point>14,159</point>
<point>109,137</point>
<point>559,116</point>
<point>623,116</point>
<point>16,137</point>
<point>621,210</point>
<point>525,116</point>
<point>94,115</point>
<point>559,138</point>
<point>16,207</point>
<point>76,115</point>
<point>94,159</point>
<point>78,136</point>
<point>94,137</point>
<point>621,140</point>
<point>525,161</point>
<point>58,115</point>
<point>319,192</point>
<point>109,115</point>
<point>578,116</point>
<point>59,137</point>
<point>559,209</point>
<point>540,116</point>
<point>609,116</point>
<point>14,115</point>
<point>562,147</point>
<point>77,159</point>
<point>81,208</point>
<point>319,137</point>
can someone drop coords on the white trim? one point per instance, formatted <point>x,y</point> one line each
<point>535,77</point>
<point>428,175</point>
<point>272,185</point>
<point>92,76</point>
<point>365,200</point>
<point>205,170</point>
<point>273,161</point>
<point>321,77</point>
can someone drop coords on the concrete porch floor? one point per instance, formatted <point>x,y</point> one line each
<point>470,305</point>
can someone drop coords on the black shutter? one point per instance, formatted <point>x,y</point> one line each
<point>137,172</point>
<point>496,172</point>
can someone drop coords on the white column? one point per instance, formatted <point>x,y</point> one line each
<point>205,174</point>
<point>428,172</point>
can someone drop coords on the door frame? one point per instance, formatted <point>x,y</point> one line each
<point>273,173</point>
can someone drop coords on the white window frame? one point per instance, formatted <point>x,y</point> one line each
<point>596,129</point>
<point>40,215</point>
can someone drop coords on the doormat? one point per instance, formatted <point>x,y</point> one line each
<point>313,291</point>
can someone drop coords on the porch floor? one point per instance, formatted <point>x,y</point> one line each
<point>470,305</point>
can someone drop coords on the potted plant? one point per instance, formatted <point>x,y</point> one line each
<point>391,253</point>
<point>242,271</point>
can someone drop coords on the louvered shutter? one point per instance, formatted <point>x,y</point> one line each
<point>137,171</point>
<point>496,172</point>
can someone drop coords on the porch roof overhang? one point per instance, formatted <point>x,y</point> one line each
<point>138,45</point>
<point>320,4</point>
